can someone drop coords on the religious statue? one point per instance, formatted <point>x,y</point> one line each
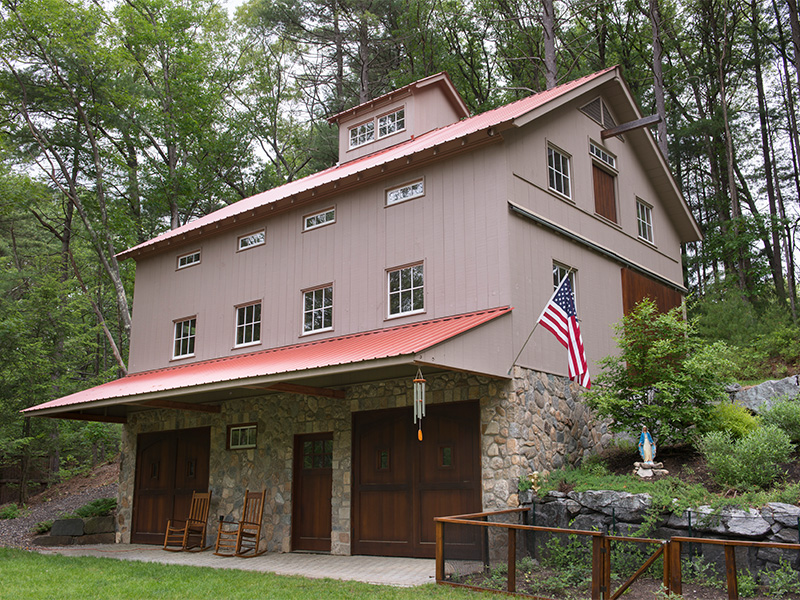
<point>647,447</point>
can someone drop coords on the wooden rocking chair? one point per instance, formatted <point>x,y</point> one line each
<point>243,538</point>
<point>190,534</point>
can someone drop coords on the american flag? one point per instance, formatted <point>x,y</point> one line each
<point>559,317</point>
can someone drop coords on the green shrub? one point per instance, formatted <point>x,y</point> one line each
<point>42,527</point>
<point>747,585</point>
<point>785,414</point>
<point>97,508</point>
<point>753,461</point>
<point>783,580</point>
<point>9,511</point>
<point>732,418</point>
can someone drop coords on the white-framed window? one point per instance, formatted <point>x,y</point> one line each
<point>185,332</point>
<point>362,134</point>
<point>318,309</point>
<point>187,260</point>
<point>325,217</point>
<point>248,324</point>
<point>406,290</point>
<point>242,436</point>
<point>601,155</point>
<point>257,238</point>
<point>405,192</point>
<point>559,272</point>
<point>558,172</point>
<point>391,123</point>
<point>644,218</point>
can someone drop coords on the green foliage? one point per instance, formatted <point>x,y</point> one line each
<point>42,527</point>
<point>731,418</point>
<point>747,585</point>
<point>524,483</point>
<point>664,377</point>
<point>9,511</point>
<point>96,508</point>
<point>783,580</point>
<point>752,461</point>
<point>702,572</point>
<point>785,414</point>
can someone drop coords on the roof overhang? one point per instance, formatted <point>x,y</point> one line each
<point>323,368</point>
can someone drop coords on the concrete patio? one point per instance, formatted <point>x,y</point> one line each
<point>398,572</point>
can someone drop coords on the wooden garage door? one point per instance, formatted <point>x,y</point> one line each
<point>401,484</point>
<point>170,465</point>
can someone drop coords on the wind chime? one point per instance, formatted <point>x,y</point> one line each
<point>419,402</point>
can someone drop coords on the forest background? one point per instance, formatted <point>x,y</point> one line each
<point>122,118</point>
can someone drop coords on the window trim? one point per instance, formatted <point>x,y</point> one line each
<point>573,277</point>
<point>611,163</point>
<point>303,309</point>
<point>180,267</point>
<point>176,340</point>
<point>378,135</point>
<point>236,327</point>
<point>568,157</point>
<point>649,222</point>
<point>240,427</point>
<point>350,130</point>
<point>306,227</point>
<point>262,231</point>
<point>409,184</point>
<point>389,292</point>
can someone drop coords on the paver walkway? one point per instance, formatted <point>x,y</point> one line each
<point>399,572</point>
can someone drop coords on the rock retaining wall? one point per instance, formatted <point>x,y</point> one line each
<point>68,532</point>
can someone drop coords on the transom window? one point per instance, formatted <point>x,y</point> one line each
<point>319,219</point>
<point>184,338</point>
<point>187,260</point>
<point>362,134</point>
<point>248,324</point>
<point>391,123</point>
<point>242,436</point>
<point>558,172</point>
<point>602,155</point>
<point>406,290</point>
<point>405,192</point>
<point>251,240</point>
<point>318,309</point>
<point>644,216</point>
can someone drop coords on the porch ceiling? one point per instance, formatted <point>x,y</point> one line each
<point>324,367</point>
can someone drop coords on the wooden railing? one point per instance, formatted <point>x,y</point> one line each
<point>668,550</point>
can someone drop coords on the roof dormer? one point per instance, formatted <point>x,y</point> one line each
<point>398,116</point>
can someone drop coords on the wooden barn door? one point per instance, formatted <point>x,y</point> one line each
<point>401,484</point>
<point>170,465</point>
<point>311,492</point>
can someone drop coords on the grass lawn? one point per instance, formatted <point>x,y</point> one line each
<point>34,576</point>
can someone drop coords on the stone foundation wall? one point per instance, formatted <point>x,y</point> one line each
<point>533,422</point>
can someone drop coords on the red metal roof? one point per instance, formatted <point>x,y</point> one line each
<point>359,347</point>
<point>427,141</point>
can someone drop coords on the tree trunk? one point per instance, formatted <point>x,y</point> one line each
<point>549,27</point>
<point>658,78</point>
<point>25,463</point>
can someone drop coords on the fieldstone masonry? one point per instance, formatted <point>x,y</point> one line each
<point>533,422</point>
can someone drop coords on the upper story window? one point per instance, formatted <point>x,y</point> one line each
<point>558,171</point>
<point>248,324</point>
<point>362,134</point>
<point>405,192</point>
<point>187,260</point>
<point>391,123</point>
<point>644,217</point>
<point>604,180</point>
<point>561,271</point>
<point>326,217</point>
<point>318,309</point>
<point>602,155</point>
<point>257,238</point>
<point>184,338</point>
<point>406,290</point>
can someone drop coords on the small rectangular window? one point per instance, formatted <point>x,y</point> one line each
<point>362,134</point>
<point>602,155</point>
<point>250,240</point>
<point>406,290</point>
<point>558,172</point>
<point>644,217</point>
<point>559,272</point>
<point>318,309</point>
<point>319,219</point>
<point>248,324</point>
<point>242,436</point>
<point>391,123</point>
<point>405,192</point>
<point>184,338</point>
<point>187,260</point>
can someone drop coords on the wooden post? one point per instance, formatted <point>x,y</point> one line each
<point>730,571</point>
<point>606,567</point>
<point>512,560</point>
<point>439,551</point>
<point>675,585</point>
<point>598,568</point>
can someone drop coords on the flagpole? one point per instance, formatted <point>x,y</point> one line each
<point>535,325</point>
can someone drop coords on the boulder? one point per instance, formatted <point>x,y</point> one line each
<point>622,505</point>
<point>762,396</point>
<point>63,527</point>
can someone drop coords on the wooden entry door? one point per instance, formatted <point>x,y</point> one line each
<point>311,492</point>
<point>170,465</point>
<point>401,484</point>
